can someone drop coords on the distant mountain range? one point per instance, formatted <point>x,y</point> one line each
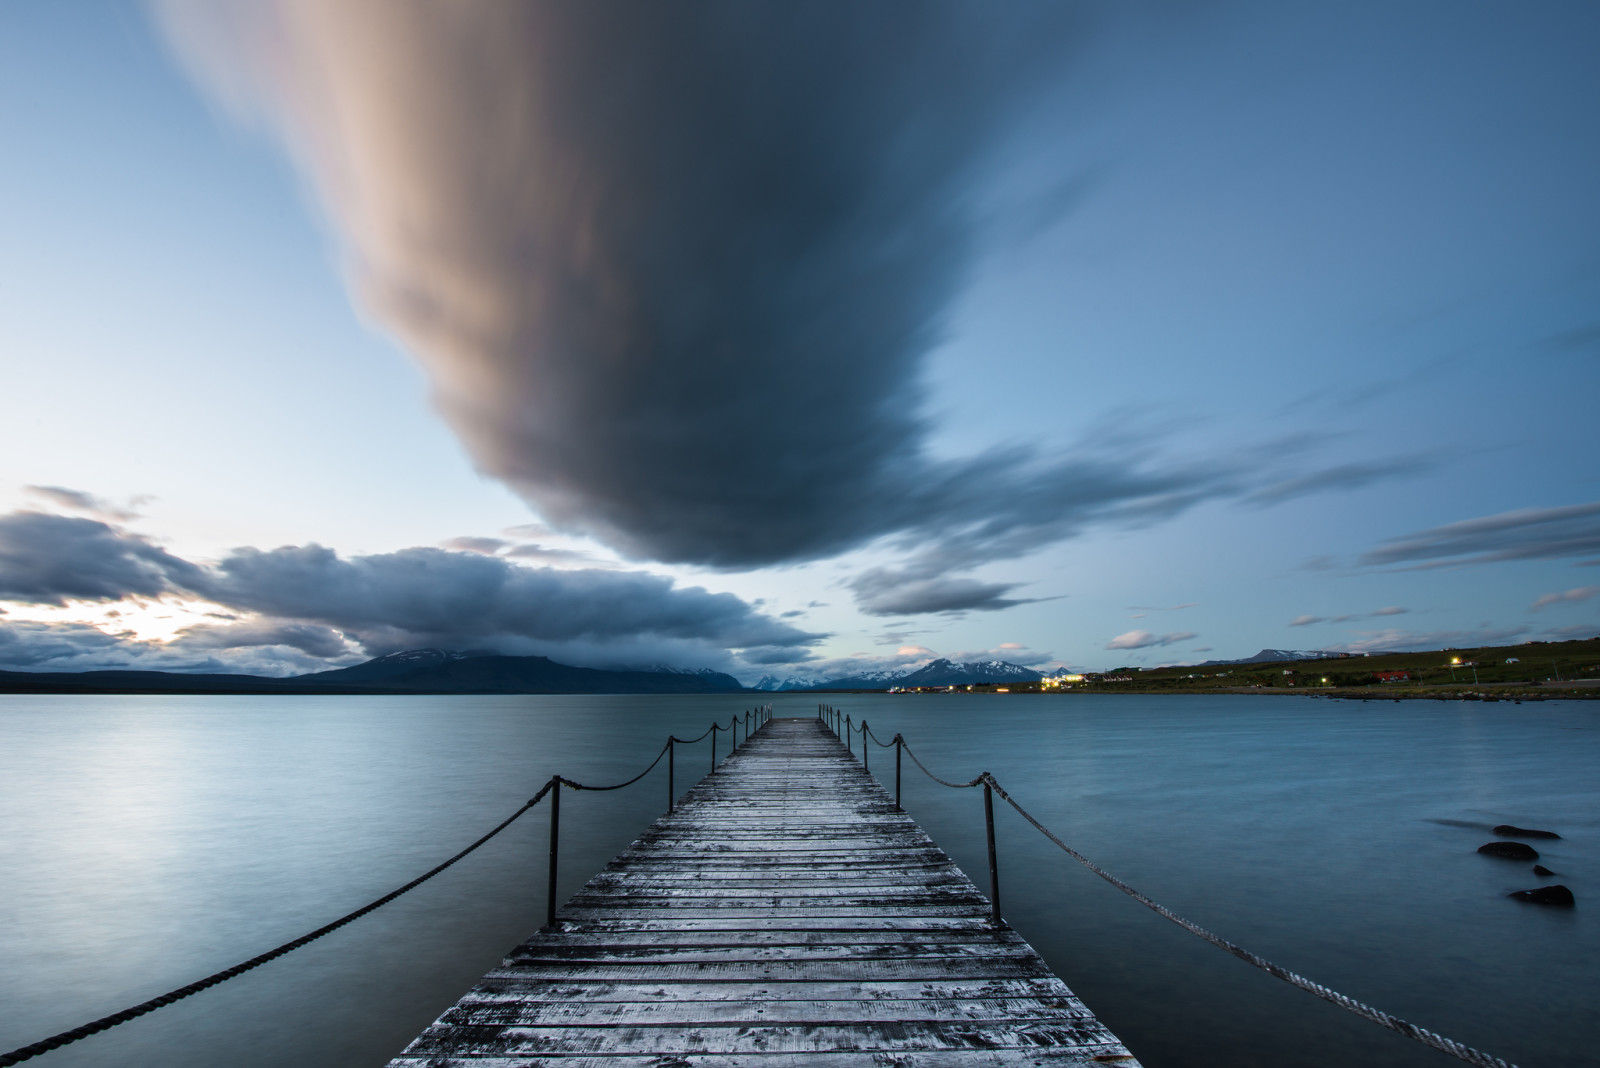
<point>446,671</point>
<point>1267,656</point>
<point>413,671</point>
<point>940,672</point>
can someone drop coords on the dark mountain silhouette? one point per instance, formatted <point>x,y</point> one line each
<point>413,671</point>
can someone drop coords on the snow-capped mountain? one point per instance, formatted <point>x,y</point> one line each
<point>775,684</point>
<point>397,664</point>
<point>667,669</point>
<point>941,672</point>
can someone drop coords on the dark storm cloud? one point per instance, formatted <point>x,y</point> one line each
<point>673,268</point>
<point>1526,534</point>
<point>429,596</point>
<point>50,559</point>
<point>26,644</point>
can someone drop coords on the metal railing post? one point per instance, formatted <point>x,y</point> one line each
<point>672,752</point>
<point>714,728</point>
<point>849,736</point>
<point>555,843</point>
<point>898,742</point>
<point>994,867</point>
<point>864,765</point>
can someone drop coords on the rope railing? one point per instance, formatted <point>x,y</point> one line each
<point>991,786</point>
<point>551,789</point>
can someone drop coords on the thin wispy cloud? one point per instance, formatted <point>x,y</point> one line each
<point>87,503</point>
<point>1340,477</point>
<point>1573,596</point>
<point>1144,639</point>
<point>1308,620</point>
<point>1524,534</point>
<point>1404,640</point>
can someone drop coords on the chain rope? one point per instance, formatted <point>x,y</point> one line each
<point>28,1052</point>
<point>866,732</point>
<point>1344,1001</point>
<point>17,1056</point>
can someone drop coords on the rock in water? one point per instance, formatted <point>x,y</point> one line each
<point>1545,895</point>
<point>1509,850</point>
<point>1505,830</point>
<point>1540,869</point>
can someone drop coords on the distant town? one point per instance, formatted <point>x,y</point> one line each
<point>1512,672</point>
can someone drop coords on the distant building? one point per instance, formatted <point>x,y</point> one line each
<point>1392,676</point>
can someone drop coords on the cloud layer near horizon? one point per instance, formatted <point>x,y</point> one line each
<point>310,599</point>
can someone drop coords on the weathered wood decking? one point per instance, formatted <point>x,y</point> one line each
<point>785,913</point>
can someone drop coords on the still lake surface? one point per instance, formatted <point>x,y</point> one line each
<point>148,841</point>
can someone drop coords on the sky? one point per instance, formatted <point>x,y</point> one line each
<point>795,340</point>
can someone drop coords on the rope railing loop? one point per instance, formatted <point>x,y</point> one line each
<point>991,786</point>
<point>883,745</point>
<point>551,789</point>
<point>692,741</point>
<point>942,782</point>
<point>28,1052</point>
<point>601,789</point>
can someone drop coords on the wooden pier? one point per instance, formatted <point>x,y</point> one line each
<point>785,913</point>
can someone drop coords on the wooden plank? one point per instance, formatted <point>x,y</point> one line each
<point>1060,1057</point>
<point>761,993</point>
<point>785,912</point>
<point>521,1011</point>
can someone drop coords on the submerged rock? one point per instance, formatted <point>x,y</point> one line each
<point>1505,830</point>
<point>1546,895</point>
<point>1509,850</point>
<point>1540,869</point>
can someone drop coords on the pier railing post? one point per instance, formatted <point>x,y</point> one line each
<point>849,736</point>
<point>864,765</point>
<point>994,867</point>
<point>898,742</point>
<point>555,842</point>
<point>672,751</point>
<point>715,727</point>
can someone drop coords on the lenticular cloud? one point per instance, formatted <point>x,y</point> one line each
<point>672,268</point>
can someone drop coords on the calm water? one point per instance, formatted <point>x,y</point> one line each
<point>148,841</point>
